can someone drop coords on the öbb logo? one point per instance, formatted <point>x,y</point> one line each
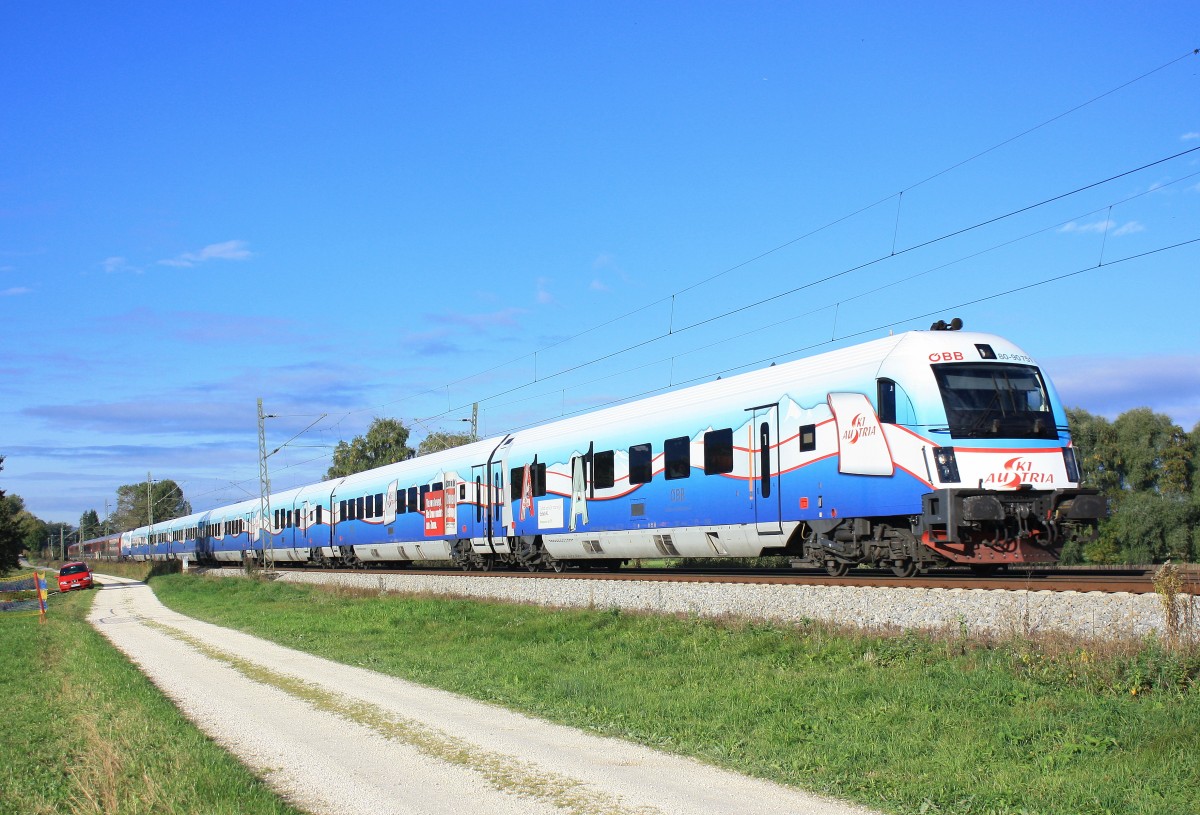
<point>858,429</point>
<point>1018,471</point>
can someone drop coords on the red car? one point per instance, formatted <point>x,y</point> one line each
<point>74,576</point>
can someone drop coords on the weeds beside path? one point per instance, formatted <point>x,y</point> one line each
<point>82,731</point>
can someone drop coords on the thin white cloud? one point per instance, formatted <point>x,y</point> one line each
<point>599,285</point>
<point>544,297</point>
<point>1191,136</point>
<point>228,250</point>
<point>117,264</point>
<point>1109,386</point>
<point>1096,227</point>
<point>1129,228</point>
<point>15,291</point>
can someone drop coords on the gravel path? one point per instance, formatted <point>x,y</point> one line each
<point>337,739</point>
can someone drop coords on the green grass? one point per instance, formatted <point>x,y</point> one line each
<point>906,724</point>
<point>82,731</point>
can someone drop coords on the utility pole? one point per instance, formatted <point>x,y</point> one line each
<point>149,517</point>
<point>474,421</point>
<point>264,496</point>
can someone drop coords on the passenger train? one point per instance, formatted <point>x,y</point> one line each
<point>917,450</point>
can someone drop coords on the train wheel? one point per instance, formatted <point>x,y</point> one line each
<point>836,568</point>
<point>558,565</point>
<point>904,568</point>
<point>461,554</point>
<point>485,563</point>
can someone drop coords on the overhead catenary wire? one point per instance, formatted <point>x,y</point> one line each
<point>818,230</point>
<point>673,330</point>
<point>825,279</point>
<point>874,329</point>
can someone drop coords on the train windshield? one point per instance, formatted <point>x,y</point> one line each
<point>995,400</point>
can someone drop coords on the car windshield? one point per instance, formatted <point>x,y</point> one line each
<point>995,400</point>
<point>73,568</point>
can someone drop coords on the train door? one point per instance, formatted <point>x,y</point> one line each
<point>763,445</point>
<point>478,517</point>
<point>502,515</point>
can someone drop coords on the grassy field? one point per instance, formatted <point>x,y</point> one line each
<point>82,731</point>
<point>909,723</point>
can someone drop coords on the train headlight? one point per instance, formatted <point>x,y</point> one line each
<point>947,464</point>
<point>1071,463</point>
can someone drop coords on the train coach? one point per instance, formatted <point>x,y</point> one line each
<point>915,450</point>
<point>106,547</point>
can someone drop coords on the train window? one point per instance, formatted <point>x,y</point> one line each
<point>997,400</point>
<point>414,504</point>
<point>437,487</point>
<point>516,483</point>
<point>808,438</point>
<point>677,458</point>
<point>603,470</point>
<point>379,505</point>
<point>887,401</point>
<point>718,451</point>
<point>341,510</point>
<point>537,474</point>
<point>498,492</point>
<point>319,508</point>
<point>421,499</point>
<point>478,500</point>
<point>764,455</point>
<point>641,464</point>
<point>462,491</point>
<point>360,509</point>
<point>289,519</point>
<point>401,508</point>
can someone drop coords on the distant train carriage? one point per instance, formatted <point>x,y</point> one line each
<point>910,451</point>
<point>105,547</point>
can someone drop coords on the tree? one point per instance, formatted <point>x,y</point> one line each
<point>1096,450</point>
<point>135,502</point>
<point>385,442</point>
<point>11,543</point>
<point>89,525</point>
<point>1154,452</point>
<point>1147,467</point>
<point>442,441</point>
<point>57,537</point>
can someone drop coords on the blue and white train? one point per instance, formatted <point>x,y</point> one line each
<point>920,449</point>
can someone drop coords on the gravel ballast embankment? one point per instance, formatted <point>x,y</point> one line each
<point>966,611</point>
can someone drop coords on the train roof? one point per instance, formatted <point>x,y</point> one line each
<point>839,368</point>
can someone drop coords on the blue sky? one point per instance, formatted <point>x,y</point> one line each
<point>367,210</point>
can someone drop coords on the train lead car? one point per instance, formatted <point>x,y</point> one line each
<point>916,450</point>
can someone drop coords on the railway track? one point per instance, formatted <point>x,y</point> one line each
<point>1132,581</point>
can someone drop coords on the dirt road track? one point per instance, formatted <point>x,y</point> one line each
<point>337,739</point>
